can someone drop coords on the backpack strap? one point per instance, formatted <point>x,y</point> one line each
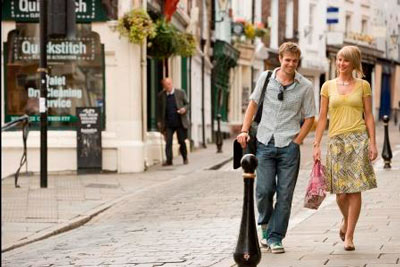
<point>257,118</point>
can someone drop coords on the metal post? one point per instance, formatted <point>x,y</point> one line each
<point>387,151</point>
<point>219,135</point>
<point>247,251</point>
<point>43,93</point>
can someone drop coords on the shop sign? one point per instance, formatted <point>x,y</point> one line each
<point>89,151</point>
<point>27,48</point>
<point>28,10</point>
<point>75,78</point>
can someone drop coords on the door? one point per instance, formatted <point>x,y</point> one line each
<point>384,108</point>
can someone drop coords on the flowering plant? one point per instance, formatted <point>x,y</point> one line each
<point>136,25</point>
<point>249,31</point>
<point>169,41</point>
<point>261,31</point>
<point>186,44</point>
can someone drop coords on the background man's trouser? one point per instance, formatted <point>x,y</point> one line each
<point>181,132</point>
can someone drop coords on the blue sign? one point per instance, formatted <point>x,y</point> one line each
<point>332,15</point>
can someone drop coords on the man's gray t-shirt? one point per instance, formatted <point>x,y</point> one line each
<point>281,119</point>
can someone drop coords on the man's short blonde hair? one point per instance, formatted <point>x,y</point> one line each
<point>289,47</point>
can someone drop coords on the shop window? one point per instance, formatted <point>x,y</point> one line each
<point>75,75</point>
<point>348,25</point>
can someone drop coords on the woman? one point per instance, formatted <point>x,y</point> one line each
<point>352,144</point>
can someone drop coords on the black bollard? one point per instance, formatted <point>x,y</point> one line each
<point>387,151</point>
<point>247,251</point>
<point>219,135</point>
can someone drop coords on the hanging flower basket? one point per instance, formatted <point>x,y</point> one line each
<point>186,45</point>
<point>168,41</point>
<point>165,43</point>
<point>136,25</point>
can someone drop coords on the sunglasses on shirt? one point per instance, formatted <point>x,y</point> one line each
<point>280,96</point>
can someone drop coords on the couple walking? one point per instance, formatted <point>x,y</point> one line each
<point>289,97</point>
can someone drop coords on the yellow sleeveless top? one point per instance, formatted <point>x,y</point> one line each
<point>346,111</point>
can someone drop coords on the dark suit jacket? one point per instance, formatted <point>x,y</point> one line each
<point>181,102</point>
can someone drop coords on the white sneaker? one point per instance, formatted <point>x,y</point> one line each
<point>263,241</point>
<point>277,248</point>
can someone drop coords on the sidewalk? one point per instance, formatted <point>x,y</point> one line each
<point>31,213</point>
<point>314,241</point>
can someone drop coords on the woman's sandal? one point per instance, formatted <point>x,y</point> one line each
<point>342,235</point>
<point>349,248</point>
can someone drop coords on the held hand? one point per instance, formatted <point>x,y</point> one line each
<point>317,153</point>
<point>181,111</point>
<point>296,141</point>
<point>243,138</point>
<point>372,152</point>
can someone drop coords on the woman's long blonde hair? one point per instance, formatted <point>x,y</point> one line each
<point>353,54</point>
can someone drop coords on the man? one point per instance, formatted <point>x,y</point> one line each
<point>172,117</point>
<point>288,96</point>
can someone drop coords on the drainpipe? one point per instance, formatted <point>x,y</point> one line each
<point>202,42</point>
<point>143,85</point>
<point>190,103</point>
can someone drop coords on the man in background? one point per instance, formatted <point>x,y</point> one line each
<point>172,117</point>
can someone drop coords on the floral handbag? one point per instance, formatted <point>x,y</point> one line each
<point>315,193</point>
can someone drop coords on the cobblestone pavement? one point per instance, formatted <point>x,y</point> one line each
<point>191,220</point>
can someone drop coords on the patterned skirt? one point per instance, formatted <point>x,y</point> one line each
<point>348,168</point>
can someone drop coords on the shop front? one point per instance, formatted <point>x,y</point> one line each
<point>95,69</point>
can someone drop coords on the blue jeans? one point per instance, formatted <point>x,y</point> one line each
<point>277,172</point>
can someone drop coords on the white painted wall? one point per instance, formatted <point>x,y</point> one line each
<point>273,24</point>
<point>196,99</point>
<point>312,40</point>
<point>385,24</point>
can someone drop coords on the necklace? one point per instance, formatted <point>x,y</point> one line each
<point>343,83</point>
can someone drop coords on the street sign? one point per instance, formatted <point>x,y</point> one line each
<point>237,28</point>
<point>89,148</point>
<point>332,15</point>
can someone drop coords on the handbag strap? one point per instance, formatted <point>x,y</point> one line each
<point>257,118</point>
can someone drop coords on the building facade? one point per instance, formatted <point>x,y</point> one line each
<point>99,69</point>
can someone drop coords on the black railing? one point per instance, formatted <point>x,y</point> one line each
<point>24,121</point>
